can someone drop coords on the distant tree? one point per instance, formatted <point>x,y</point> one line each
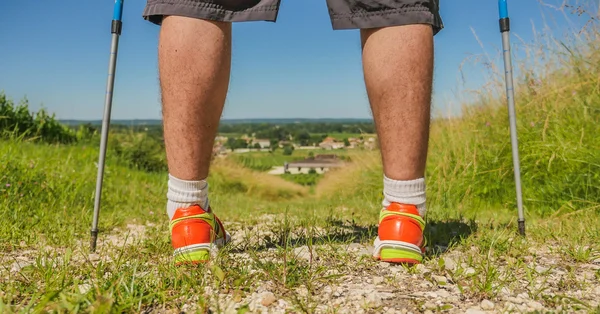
<point>257,146</point>
<point>288,150</point>
<point>346,142</point>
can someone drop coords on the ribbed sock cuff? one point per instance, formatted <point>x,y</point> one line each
<point>405,192</point>
<point>183,193</point>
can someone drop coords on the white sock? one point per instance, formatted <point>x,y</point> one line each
<point>183,193</point>
<point>405,192</point>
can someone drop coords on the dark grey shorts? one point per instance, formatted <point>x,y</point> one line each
<point>344,14</point>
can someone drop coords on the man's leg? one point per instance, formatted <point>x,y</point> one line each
<point>194,79</point>
<point>398,71</point>
<point>397,42</point>
<point>194,60</point>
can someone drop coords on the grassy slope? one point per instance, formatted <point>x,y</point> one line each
<point>470,187</point>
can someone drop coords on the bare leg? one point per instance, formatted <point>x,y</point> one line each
<point>194,60</point>
<point>398,70</point>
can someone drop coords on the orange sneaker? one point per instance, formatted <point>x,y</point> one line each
<point>195,233</point>
<point>400,236</point>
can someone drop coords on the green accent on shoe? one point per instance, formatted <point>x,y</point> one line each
<point>419,219</point>
<point>193,256</point>
<point>399,253</point>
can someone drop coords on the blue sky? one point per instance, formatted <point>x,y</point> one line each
<point>56,54</point>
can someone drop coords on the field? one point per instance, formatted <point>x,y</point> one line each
<point>306,249</point>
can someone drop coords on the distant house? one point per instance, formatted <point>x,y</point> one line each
<point>319,163</point>
<point>330,143</point>
<point>264,143</point>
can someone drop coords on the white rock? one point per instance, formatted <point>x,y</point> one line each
<point>474,310</point>
<point>374,299</point>
<point>535,305</point>
<point>378,280</point>
<point>429,305</point>
<point>469,271</point>
<point>441,280</point>
<point>84,288</point>
<point>487,305</point>
<point>443,293</point>
<point>449,264</point>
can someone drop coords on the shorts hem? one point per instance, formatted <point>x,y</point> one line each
<point>154,13</point>
<point>386,19</point>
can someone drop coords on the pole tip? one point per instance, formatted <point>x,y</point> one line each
<point>522,227</point>
<point>93,240</point>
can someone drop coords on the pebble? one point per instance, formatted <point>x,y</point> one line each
<point>540,269</point>
<point>474,310</point>
<point>515,300</point>
<point>449,264</point>
<point>429,305</point>
<point>268,299</point>
<point>535,305</point>
<point>378,280</point>
<point>374,299</point>
<point>441,280</point>
<point>487,305</point>
<point>469,271</point>
<point>443,293</point>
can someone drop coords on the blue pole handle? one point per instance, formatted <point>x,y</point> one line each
<point>503,9</point>
<point>118,10</point>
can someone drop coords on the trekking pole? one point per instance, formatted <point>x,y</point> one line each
<point>510,97</point>
<point>116,32</point>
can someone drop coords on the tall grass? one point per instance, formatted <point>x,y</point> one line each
<point>470,164</point>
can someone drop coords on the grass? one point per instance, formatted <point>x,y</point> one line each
<point>303,246</point>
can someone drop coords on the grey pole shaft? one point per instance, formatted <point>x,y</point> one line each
<point>513,126</point>
<point>105,125</point>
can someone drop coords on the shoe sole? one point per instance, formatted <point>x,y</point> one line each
<point>199,253</point>
<point>397,252</point>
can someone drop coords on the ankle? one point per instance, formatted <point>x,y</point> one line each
<point>408,192</point>
<point>184,193</point>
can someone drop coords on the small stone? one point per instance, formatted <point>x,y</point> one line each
<point>469,271</point>
<point>378,280</point>
<point>428,312</point>
<point>421,268</point>
<point>540,269</point>
<point>535,305</point>
<point>523,296</point>
<point>374,299</point>
<point>443,293</point>
<point>449,264</point>
<point>441,280</point>
<point>94,257</point>
<point>509,306</point>
<point>84,288</point>
<point>487,305</point>
<point>429,305</point>
<point>515,300</point>
<point>268,299</point>
<point>384,265</point>
<point>474,310</point>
